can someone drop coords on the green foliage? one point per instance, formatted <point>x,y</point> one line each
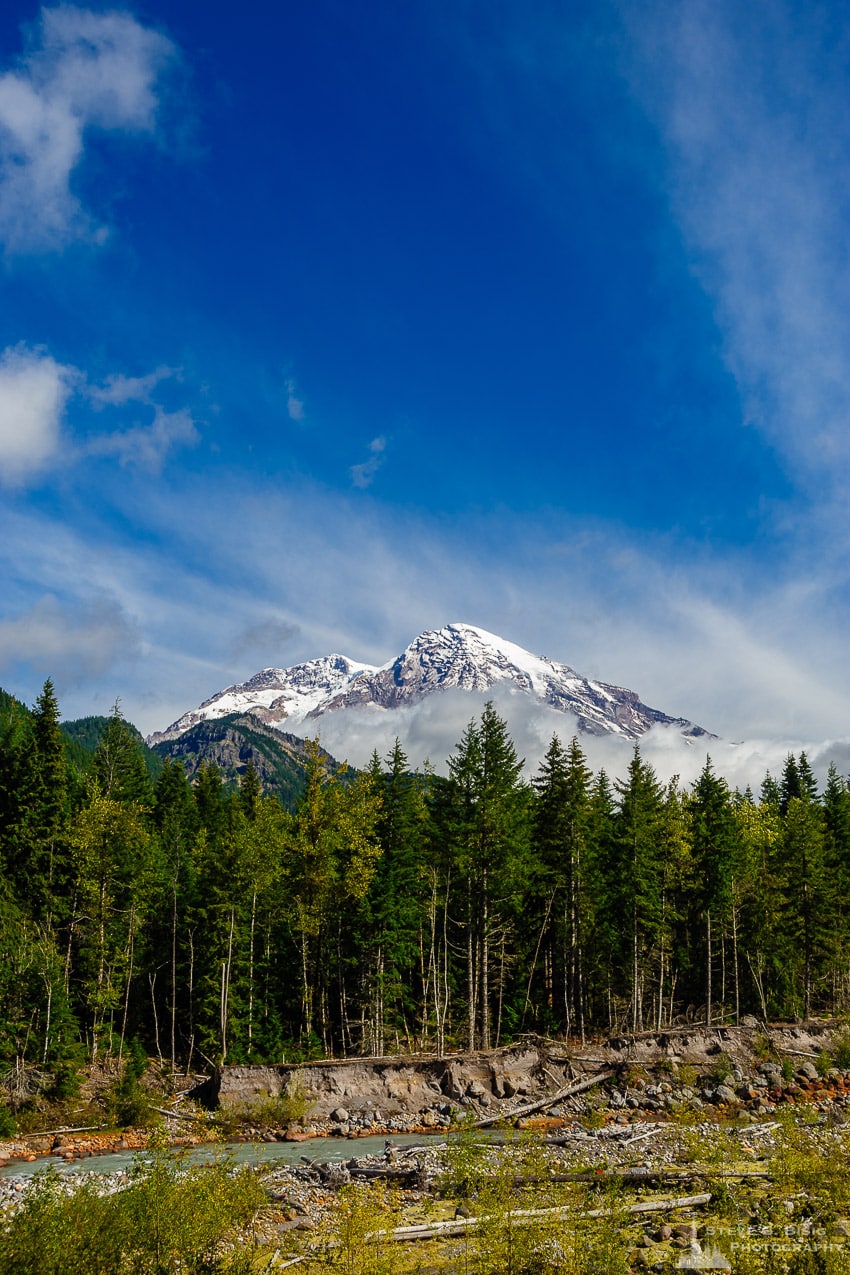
<point>721,1068</point>
<point>172,1218</point>
<point>127,1101</point>
<point>824,1062</point>
<point>393,911</point>
<point>234,742</point>
<point>352,1238</point>
<point>275,1111</point>
<point>841,1049</point>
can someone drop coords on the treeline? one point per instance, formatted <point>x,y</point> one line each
<point>393,910</point>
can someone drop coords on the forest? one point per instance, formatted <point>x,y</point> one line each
<point>391,911</point>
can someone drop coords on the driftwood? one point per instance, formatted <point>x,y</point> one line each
<point>549,1101</point>
<point>82,1128</point>
<point>457,1226</point>
<point>178,1115</point>
<point>640,1173</point>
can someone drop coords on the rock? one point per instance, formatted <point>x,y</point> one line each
<point>749,1020</point>
<point>340,1115</point>
<point>724,1094</point>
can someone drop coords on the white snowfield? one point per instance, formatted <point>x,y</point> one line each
<point>457,656</point>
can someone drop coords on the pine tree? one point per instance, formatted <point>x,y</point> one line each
<point>561,839</point>
<point>489,833</point>
<point>390,920</point>
<point>714,840</point>
<point>119,766</point>
<point>635,883</point>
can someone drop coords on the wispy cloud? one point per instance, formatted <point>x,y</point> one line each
<point>294,405</point>
<point>83,70</point>
<point>363,474</point>
<point>34,390</point>
<point>35,393</point>
<point>751,104</point>
<point>118,389</point>
<point>147,446</point>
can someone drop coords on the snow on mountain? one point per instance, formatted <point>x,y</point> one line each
<point>458,656</point>
<point>274,695</point>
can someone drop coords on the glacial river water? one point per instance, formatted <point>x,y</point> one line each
<point>321,1149</point>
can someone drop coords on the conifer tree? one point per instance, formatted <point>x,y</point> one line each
<point>489,830</point>
<point>713,833</point>
<point>635,883</point>
<point>561,840</point>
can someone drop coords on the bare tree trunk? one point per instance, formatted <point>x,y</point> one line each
<point>735,960</point>
<point>152,980</point>
<point>485,968</point>
<point>130,954</point>
<point>708,969</point>
<point>534,960</point>
<point>174,885</point>
<point>251,973</point>
<point>470,962</point>
<point>225,987</point>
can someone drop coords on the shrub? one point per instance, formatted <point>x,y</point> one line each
<point>721,1068</point>
<point>171,1218</point>
<point>841,1050</point>
<point>824,1062</point>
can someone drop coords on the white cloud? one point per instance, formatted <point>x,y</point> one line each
<point>430,730</point>
<point>362,475</point>
<point>147,446</point>
<point>118,390</point>
<point>34,394</point>
<point>34,389</point>
<point>88,70</point>
<point>751,106</point>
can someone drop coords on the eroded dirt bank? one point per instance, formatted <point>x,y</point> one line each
<point>722,1067</point>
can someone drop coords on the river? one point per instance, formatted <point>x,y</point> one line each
<point>321,1149</point>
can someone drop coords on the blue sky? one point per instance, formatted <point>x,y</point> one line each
<point>324,324</point>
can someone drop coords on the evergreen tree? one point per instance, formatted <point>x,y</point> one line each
<point>714,840</point>
<point>390,920</point>
<point>561,841</point>
<point>635,881</point>
<point>489,831</point>
<point>119,765</point>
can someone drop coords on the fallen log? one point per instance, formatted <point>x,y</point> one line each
<point>178,1115</point>
<point>81,1128</point>
<point>531,1107</point>
<point>457,1226</point>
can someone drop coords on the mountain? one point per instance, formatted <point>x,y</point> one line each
<point>234,742</point>
<point>457,656</point>
<point>85,733</point>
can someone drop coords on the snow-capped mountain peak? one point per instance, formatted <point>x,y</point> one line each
<point>459,656</point>
<point>275,695</point>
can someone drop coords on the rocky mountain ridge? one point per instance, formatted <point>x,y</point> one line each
<point>458,656</point>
